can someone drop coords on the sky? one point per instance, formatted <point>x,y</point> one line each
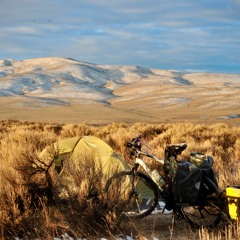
<point>187,35</point>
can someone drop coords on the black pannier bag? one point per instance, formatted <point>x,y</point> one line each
<point>193,184</point>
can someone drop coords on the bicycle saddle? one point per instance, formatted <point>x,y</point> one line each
<point>177,147</point>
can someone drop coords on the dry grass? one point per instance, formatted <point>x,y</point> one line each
<point>30,189</point>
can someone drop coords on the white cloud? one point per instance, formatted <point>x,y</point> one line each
<point>19,30</point>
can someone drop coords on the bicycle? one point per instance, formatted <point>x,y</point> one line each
<point>208,209</point>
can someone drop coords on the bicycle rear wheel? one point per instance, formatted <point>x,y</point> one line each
<point>213,214</point>
<point>207,216</point>
<point>133,196</point>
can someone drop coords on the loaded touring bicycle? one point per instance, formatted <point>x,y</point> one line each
<point>187,188</point>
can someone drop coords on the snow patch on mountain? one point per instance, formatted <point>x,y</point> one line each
<point>53,81</point>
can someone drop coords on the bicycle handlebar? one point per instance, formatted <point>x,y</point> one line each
<point>135,143</point>
<point>172,149</point>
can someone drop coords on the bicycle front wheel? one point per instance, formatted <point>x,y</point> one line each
<point>134,196</point>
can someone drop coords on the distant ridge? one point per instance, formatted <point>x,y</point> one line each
<point>54,81</point>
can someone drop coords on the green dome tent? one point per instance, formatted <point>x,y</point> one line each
<point>75,148</point>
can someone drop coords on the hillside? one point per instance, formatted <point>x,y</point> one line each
<point>67,90</point>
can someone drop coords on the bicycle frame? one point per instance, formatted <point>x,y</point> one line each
<point>155,176</point>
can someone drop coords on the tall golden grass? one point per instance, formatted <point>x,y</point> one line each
<point>27,211</point>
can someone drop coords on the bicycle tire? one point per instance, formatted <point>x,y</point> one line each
<point>202,216</point>
<point>130,198</point>
<point>210,215</point>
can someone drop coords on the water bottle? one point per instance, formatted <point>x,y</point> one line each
<point>157,178</point>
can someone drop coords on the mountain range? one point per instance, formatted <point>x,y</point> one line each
<point>68,90</point>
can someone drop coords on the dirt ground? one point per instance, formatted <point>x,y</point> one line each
<point>161,226</point>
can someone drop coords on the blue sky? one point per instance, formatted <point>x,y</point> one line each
<point>165,34</point>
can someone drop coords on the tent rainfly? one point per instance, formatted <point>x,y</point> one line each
<point>75,148</point>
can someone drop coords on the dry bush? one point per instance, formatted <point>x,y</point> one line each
<point>231,232</point>
<point>19,167</point>
<point>73,130</point>
<point>33,195</point>
<point>82,194</point>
